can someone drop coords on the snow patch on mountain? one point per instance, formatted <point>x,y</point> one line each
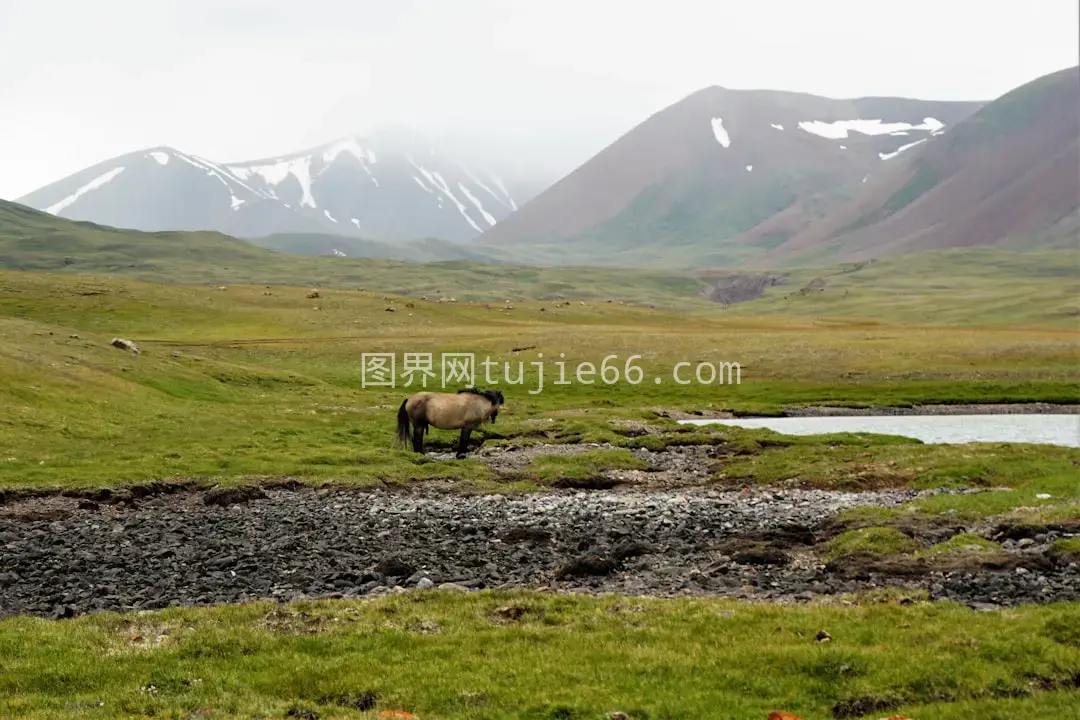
<point>276,173</point>
<point>329,216</point>
<point>350,145</point>
<point>720,133</point>
<point>439,183</point>
<point>492,193</point>
<point>221,175</point>
<point>161,157</point>
<point>778,126</point>
<point>475,201</point>
<point>838,129</point>
<point>94,184</point>
<point>902,148</point>
<point>502,188</point>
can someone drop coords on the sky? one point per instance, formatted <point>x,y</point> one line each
<point>544,84</point>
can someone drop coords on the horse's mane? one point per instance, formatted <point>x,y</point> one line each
<point>492,396</point>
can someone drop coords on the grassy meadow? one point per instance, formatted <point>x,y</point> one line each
<point>540,656</point>
<point>235,382</point>
<point>239,383</point>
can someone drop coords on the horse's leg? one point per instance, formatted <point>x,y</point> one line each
<point>418,438</point>
<point>463,442</point>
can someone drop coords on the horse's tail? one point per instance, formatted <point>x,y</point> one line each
<point>402,436</point>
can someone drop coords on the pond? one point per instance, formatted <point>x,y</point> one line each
<point>1047,429</point>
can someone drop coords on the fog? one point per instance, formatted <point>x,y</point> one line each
<point>533,85</point>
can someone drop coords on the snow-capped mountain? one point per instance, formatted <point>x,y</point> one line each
<point>379,189</point>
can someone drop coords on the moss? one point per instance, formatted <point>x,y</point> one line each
<point>871,540</point>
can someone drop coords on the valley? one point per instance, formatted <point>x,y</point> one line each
<point>203,513</point>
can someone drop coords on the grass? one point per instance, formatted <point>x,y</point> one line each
<point>964,544</point>
<point>1009,475</point>
<point>1068,548</point>
<point>581,466</point>
<point>245,382</point>
<point>872,540</point>
<point>443,655</point>
<point>978,286</point>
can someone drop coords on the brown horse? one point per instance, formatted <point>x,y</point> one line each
<point>466,409</point>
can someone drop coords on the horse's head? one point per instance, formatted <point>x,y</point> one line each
<point>495,397</point>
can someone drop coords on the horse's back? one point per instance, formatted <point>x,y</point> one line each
<point>447,411</point>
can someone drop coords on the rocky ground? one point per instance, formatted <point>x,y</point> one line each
<point>61,556</point>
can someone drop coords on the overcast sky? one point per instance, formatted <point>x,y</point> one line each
<point>85,80</point>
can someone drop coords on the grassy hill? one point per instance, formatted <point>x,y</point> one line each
<point>984,286</point>
<point>32,240</point>
<point>426,250</point>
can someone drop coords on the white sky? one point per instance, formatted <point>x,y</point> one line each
<point>554,81</point>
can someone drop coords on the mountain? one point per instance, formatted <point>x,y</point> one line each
<point>390,187</point>
<point>681,187</point>
<point>1007,175</point>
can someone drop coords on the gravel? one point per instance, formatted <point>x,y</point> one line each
<point>60,556</point>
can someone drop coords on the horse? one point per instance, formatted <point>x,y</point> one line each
<point>466,409</point>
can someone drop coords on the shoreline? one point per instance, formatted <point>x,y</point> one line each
<point>825,410</point>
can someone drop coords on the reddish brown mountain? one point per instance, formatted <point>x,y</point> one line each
<point>679,187</point>
<point>1008,174</point>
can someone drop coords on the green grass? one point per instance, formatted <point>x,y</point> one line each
<point>977,286</point>
<point>246,382</point>
<point>963,544</point>
<point>581,466</point>
<point>872,540</point>
<point>1068,548</point>
<point>443,655</point>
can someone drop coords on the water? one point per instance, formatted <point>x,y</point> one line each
<point>1045,429</point>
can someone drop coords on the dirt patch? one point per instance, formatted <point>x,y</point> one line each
<point>927,529</point>
<point>740,287</point>
<point>861,565</point>
<point>233,495</point>
<point>592,482</point>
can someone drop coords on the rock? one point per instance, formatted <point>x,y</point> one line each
<point>161,548</point>
<point>450,587</point>
<point>312,294</point>
<point>394,566</point>
<point>233,495</point>
<point>125,345</point>
<point>823,636</point>
<point>425,584</point>
<point>586,565</point>
<point>511,612</point>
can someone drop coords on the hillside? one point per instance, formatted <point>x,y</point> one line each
<point>36,241</point>
<point>1008,174</point>
<point>387,187</point>
<point>420,250</point>
<point>978,286</point>
<point>964,286</point>
<point>688,181</point>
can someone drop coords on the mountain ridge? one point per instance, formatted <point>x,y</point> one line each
<point>712,166</point>
<point>346,186</point>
